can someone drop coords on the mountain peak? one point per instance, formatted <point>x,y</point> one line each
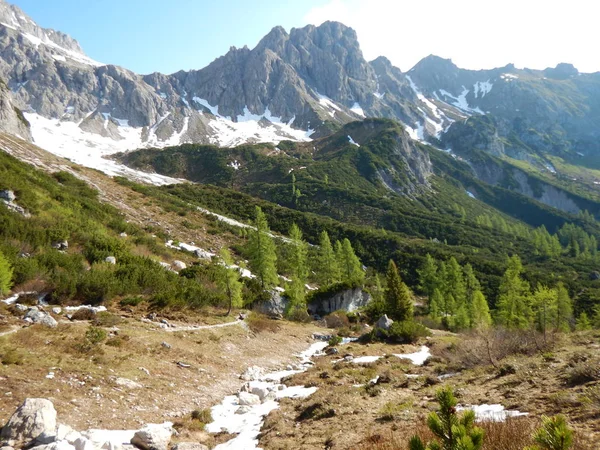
<point>562,71</point>
<point>13,17</point>
<point>274,39</point>
<point>435,63</point>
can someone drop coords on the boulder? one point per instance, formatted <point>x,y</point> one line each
<point>252,373</point>
<point>595,275</point>
<point>348,300</point>
<point>60,245</point>
<point>384,323</point>
<point>178,265</point>
<point>274,306</point>
<point>34,315</point>
<point>8,195</point>
<point>110,260</point>
<point>247,399</point>
<point>35,417</point>
<point>202,254</point>
<point>153,437</point>
<point>189,446</point>
<point>260,391</point>
<point>59,445</point>
<point>243,409</point>
<point>56,310</point>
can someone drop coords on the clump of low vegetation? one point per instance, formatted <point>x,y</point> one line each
<point>259,323</point>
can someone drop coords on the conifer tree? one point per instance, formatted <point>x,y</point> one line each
<point>554,434</point>
<point>583,323</point>
<point>452,432</point>
<point>564,309</point>
<point>480,317</point>
<point>514,310</point>
<point>472,285</point>
<point>327,269</point>
<point>397,295</point>
<point>229,280</point>
<point>436,305</point>
<point>6,273</point>
<point>263,256</point>
<point>350,267</point>
<point>544,304</point>
<point>298,263</point>
<point>428,276</point>
<point>455,283</point>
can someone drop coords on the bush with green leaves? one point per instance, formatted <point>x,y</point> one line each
<point>453,432</point>
<point>6,274</point>
<point>407,332</point>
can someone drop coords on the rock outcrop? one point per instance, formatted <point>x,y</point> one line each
<point>348,300</point>
<point>34,418</point>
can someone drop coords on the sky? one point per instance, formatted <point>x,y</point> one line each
<point>166,36</point>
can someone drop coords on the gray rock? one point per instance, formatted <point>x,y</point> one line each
<point>252,373</point>
<point>60,245</point>
<point>35,417</point>
<point>347,300</point>
<point>247,399</point>
<point>203,254</point>
<point>56,310</point>
<point>384,322</point>
<point>260,391</point>
<point>243,409</point>
<point>178,265</point>
<point>127,383</point>
<point>275,306</point>
<point>8,195</point>
<point>34,315</point>
<point>153,437</point>
<point>190,446</point>
<point>110,260</point>
<point>166,345</point>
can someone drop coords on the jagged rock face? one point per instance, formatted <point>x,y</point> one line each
<point>553,111</point>
<point>12,120</point>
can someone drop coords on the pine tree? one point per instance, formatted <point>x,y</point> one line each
<point>397,295</point>
<point>564,309</point>
<point>455,283</point>
<point>453,432</point>
<point>554,434</point>
<point>327,268</point>
<point>514,310</point>
<point>263,256</point>
<point>229,280</point>
<point>6,273</point>
<point>583,323</point>
<point>428,276</point>
<point>350,265</point>
<point>298,263</point>
<point>480,317</point>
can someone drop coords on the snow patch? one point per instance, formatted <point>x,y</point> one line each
<point>417,358</point>
<point>352,141</point>
<point>461,101</point>
<point>494,413</point>
<point>356,109</point>
<point>509,76</point>
<point>482,87</point>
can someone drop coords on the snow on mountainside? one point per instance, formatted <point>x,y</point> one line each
<point>298,86</point>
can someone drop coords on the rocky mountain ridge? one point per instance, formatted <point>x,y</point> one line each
<point>298,86</point>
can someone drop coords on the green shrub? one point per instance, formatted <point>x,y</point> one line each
<point>12,356</point>
<point>131,301</point>
<point>334,340</point>
<point>554,434</point>
<point>106,319</point>
<point>95,335</point>
<point>407,332</point>
<point>202,415</point>
<point>337,319</point>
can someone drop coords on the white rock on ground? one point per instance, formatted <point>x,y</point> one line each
<point>252,373</point>
<point>153,436</point>
<point>33,418</point>
<point>384,322</point>
<point>178,265</point>
<point>36,316</point>
<point>247,399</point>
<point>127,383</point>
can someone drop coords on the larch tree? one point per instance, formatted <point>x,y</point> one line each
<point>397,295</point>
<point>6,274</point>
<point>298,255</point>
<point>513,308</point>
<point>472,285</point>
<point>480,316</point>
<point>436,305</point>
<point>428,276</point>
<point>229,280</point>
<point>263,255</point>
<point>327,269</point>
<point>564,309</point>
<point>350,266</point>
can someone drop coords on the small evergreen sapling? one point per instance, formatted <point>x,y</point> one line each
<point>452,432</point>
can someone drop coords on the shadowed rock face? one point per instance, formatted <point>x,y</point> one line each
<point>348,300</point>
<point>11,118</point>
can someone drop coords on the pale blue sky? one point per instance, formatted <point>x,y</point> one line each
<point>169,35</point>
<point>164,36</point>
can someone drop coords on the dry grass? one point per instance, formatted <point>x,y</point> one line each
<point>259,322</point>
